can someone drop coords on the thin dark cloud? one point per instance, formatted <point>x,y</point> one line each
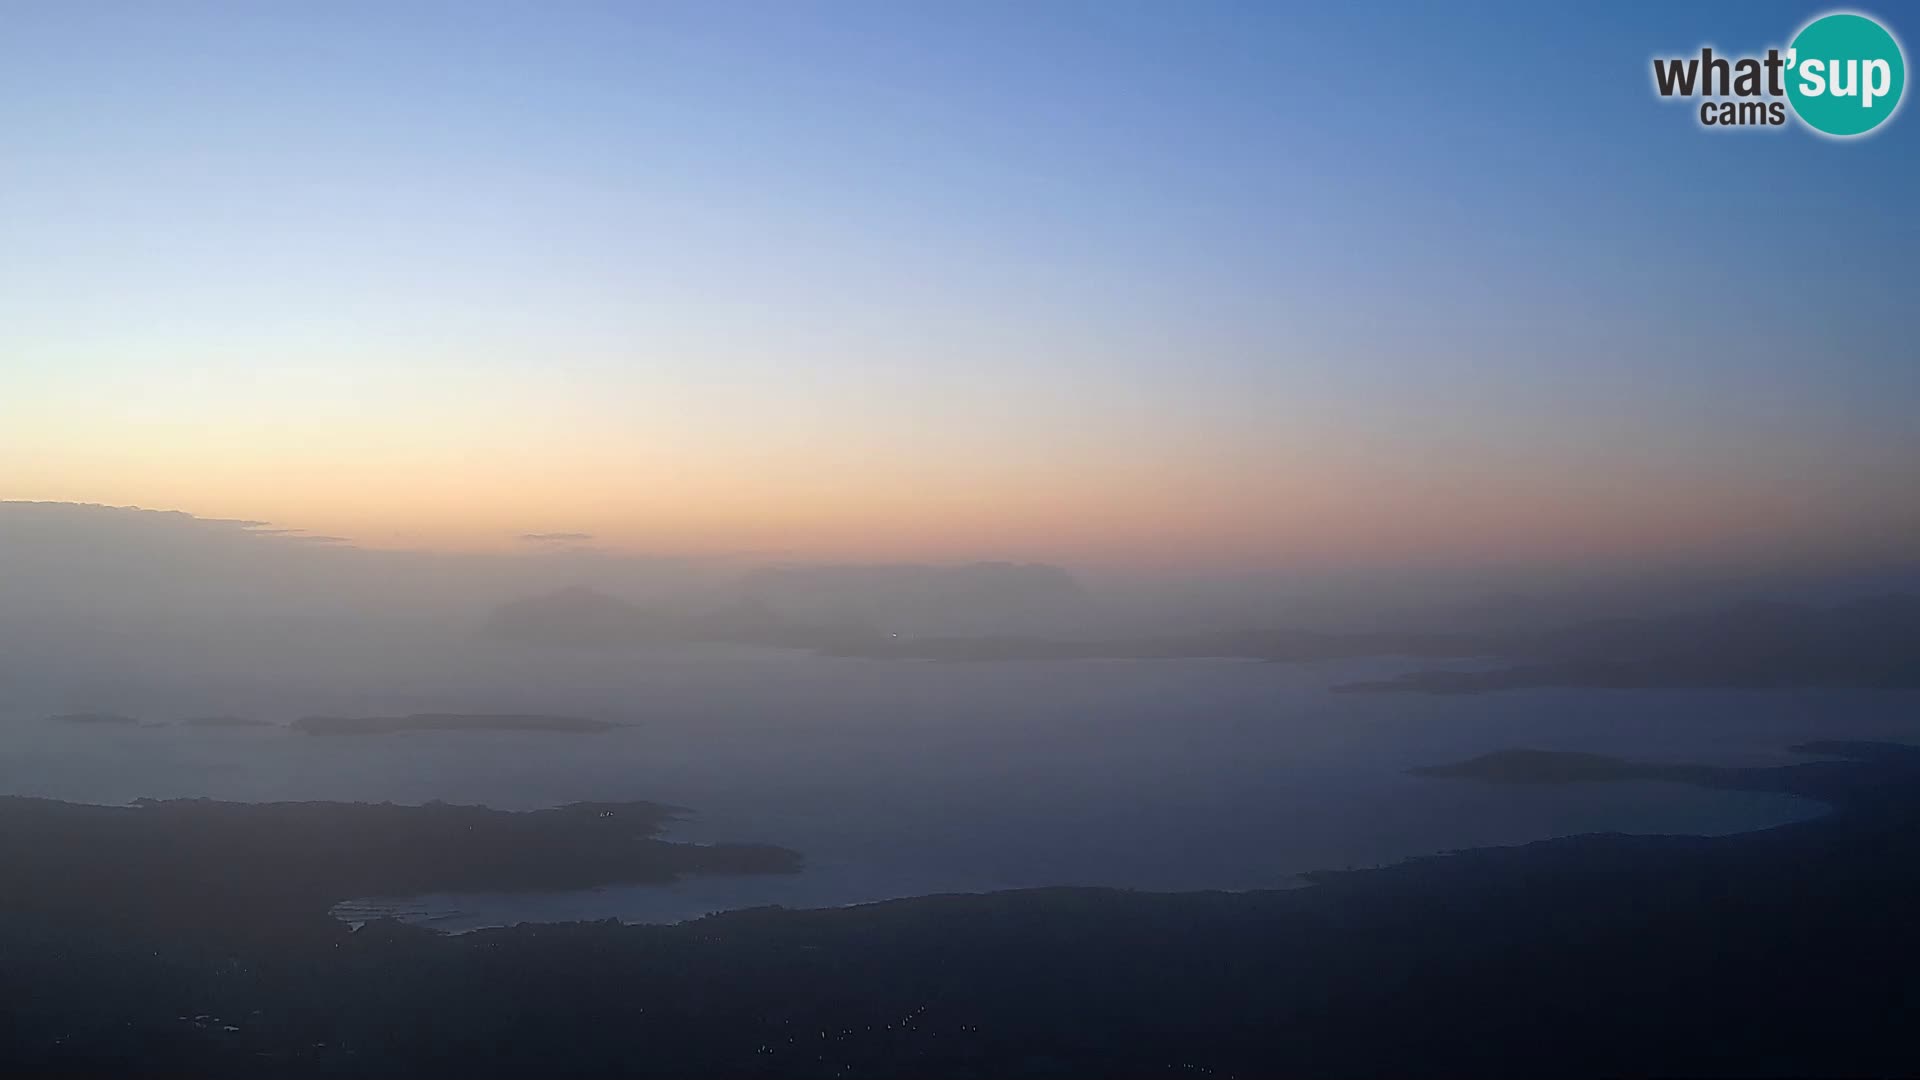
<point>555,537</point>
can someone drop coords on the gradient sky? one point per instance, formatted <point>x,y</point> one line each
<point>1244,285</point>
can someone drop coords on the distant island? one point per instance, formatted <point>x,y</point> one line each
<point>383,725</point>
<point>102,718</point>
<point>1853,767</point>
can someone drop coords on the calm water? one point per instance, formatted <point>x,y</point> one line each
<point>900,778</point>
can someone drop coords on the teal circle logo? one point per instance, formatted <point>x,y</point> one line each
<point>1845,74</point>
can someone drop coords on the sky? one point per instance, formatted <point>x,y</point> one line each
<point>1129,284</point>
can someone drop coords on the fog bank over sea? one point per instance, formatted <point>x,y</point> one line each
<point>913,728</point>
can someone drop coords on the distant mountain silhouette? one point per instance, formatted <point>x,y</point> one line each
<point>912,599</point>
<point>579,616</point>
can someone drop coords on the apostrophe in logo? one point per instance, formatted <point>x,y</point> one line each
<point>1845,74</point>
<point>1842,76</point>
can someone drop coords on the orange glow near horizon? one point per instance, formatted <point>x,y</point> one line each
<point>1149,510</point>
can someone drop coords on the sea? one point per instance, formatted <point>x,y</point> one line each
<point>907,778</point>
